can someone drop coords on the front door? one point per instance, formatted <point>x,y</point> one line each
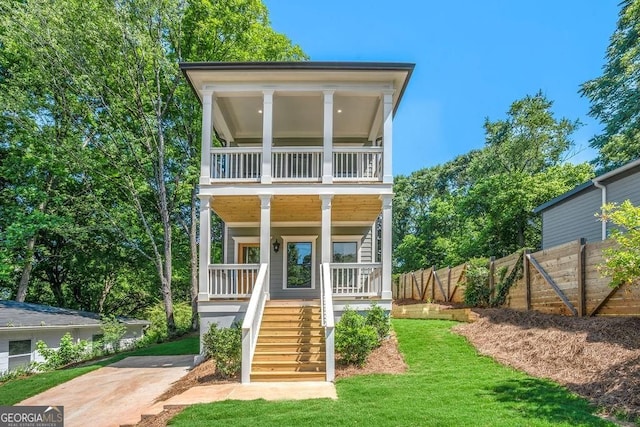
<point>248,253</point>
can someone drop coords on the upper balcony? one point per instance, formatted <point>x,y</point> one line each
<point>297,122</point>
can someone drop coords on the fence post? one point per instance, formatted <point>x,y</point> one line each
<point>448,297</point>
<point>433,283</point>
<point>527,278</point>
<point>492,272</point>
<point>582,303</point>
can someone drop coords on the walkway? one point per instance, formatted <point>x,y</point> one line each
<point>116,394</point>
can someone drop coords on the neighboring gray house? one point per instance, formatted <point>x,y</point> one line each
<point>23,324</point>
<point>572,215</point>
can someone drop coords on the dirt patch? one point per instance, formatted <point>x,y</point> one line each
<point>598,358</point>
<point>203,374</point>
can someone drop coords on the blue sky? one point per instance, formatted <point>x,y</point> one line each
<point>473,59</point>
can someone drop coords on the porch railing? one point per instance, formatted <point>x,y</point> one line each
<point>252,321</point>
<point>361,164</point>
<point>328,321</point>
<point>232,280</point>
<point>297,163</point>
<point>356,279</point>
<point>237,164</point>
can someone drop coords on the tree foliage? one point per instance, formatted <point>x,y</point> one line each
<point>480,204</point>
<point>622,263</point>
<point>99,145</point>
<point>614,95</point>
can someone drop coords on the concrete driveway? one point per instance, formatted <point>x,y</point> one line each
<point>116,394</point>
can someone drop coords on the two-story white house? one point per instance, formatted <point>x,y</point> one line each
<point>302,179</point>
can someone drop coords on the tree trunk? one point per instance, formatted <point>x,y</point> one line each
<point>26,271</point>
<point>193,245</point>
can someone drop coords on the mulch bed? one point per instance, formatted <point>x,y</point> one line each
<point>598,358</point>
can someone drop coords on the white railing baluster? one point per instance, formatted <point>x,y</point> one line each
<point>356,279</point>
<point>357,164</point>
<point>232,280</point>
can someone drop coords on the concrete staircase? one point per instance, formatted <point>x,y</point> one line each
<point>290,344</point>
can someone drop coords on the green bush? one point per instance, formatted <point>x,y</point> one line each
<point>67,353</point>
<point>112,332</point>
<point>224,346</point>
<point>355,340</point>
<point>379,319</point>
<point>157,331</point>
<point>477,292</point>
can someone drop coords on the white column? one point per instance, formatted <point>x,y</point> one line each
<point>265,235</point>
<point>386,246</point>
<point>267,135</point>
<point>205,248</point>
<point>387,138</point>
<point>326,227</point>
<point>327,153</point>
<point>207,131</point>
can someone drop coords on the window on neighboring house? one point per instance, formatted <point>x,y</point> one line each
<point>19,353</point>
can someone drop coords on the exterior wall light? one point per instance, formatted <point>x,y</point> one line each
<point>276,246</point>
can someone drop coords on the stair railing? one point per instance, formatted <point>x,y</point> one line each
<point>328,321</point>
<point>252,320</point>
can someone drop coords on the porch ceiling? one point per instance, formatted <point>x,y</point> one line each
<point>232,209</point>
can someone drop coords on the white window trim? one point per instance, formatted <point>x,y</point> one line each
<point>238,240</point>
<point>303,239</point>
<point>348,238</point>
<point>14,356</point>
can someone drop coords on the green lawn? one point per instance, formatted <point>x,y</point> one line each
<point>447,384</point>
<point>15,391</point>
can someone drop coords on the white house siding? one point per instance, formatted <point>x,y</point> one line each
<point>52,337</point>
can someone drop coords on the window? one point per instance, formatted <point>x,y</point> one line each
<point>299,262</point>
<point>19,353</point>
<point>345,252</point>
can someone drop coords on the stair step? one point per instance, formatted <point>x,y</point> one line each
<point>293,331</point>
<point>293,323</point>
<point>287,366</point>
<point>290,339</point>
<point>290,346</point>
<point>289,356</point>
<point>287,376</point>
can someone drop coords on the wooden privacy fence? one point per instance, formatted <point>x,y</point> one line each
<point>560,280</point>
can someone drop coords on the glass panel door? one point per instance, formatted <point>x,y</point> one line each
<point>299,256</point>
<point>249,254</point>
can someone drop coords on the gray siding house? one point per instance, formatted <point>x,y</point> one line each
<point>572,215</point>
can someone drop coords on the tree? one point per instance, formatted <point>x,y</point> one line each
<point>622,263</point>
<point>614,95</point>
<point>107,86</point>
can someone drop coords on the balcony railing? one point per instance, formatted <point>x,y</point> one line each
<point>232,280</point>
<point>359,164</point>
<point>297,164</point>
<point>355,164</point>
<point>356,279</point>
<point>236,164</point>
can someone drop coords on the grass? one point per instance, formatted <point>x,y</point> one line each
<point>447,384</point>
<point>14,391</point>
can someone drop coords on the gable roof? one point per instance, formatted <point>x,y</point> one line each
<point>14,315</point>
<point>622,171</point>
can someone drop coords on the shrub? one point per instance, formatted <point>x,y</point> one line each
<point>355,340</point>
<point>67,353</point>
<point>158,331</point>
<point>224,346</point>
<point>379,319</point>
<point>477,292</point>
